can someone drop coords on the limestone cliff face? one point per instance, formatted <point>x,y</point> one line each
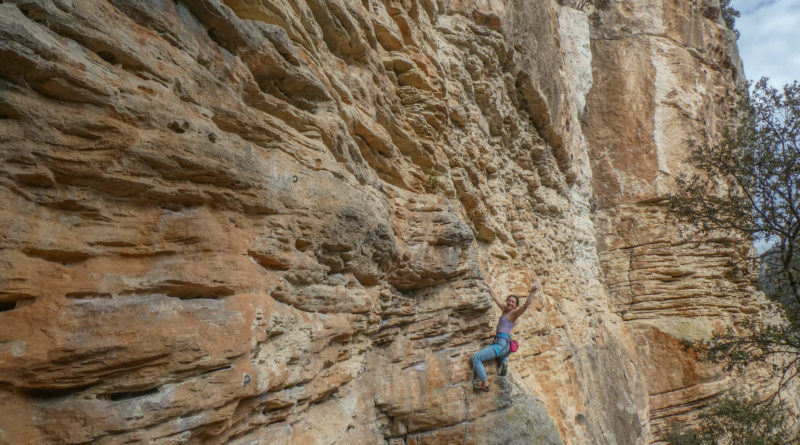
<point>664,73</point>
<point>269,221</point>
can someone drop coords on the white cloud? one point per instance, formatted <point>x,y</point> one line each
<point>749,6</point>
<point>770,39</point>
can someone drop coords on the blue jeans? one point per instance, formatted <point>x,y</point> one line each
<point>499,349</point>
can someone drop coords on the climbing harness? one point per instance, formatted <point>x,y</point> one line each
<point>512,345</point>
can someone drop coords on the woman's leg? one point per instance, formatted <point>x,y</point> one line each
<point>505,352</point>
<point>502,360</point>
<point>503,349</point>
<point>502,364</point>
<point>481,356</point>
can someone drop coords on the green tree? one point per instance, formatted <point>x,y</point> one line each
<point>748,181</point>
<point>736,419</point>
<point>582,4</point>
<point>729,15</point>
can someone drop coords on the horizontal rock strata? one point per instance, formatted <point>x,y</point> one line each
<point>270,221</point>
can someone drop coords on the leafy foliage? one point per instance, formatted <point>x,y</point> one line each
<point>749,183</point>
<point>775,282</point>
<point>729,15</point>
<point>736,419</point>
<point>583,4</point>
<point>776,346</point>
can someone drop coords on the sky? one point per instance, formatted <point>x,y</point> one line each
<point>769,43</point>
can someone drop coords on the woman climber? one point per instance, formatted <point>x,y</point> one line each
<point>502,341</point>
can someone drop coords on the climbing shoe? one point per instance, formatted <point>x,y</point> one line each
<point>480,386</point>
<point>503,369</point>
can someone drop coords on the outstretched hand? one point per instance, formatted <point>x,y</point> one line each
<point>535,288</point>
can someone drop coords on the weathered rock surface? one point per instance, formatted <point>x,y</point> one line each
<point>269,221</point>
<point>664,75</point>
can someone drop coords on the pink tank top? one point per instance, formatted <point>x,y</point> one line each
<point>504,326</point>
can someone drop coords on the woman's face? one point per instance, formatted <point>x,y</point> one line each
<point>511,304</point>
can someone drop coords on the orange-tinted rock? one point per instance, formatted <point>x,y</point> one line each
<point>269,221</point>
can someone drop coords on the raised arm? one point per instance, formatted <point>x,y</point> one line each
<point>512,317</point>
<point>497,301</point>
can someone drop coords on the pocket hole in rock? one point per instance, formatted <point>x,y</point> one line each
<point>108,57</point>
<point>125,395</point>
<point>177,127</point>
